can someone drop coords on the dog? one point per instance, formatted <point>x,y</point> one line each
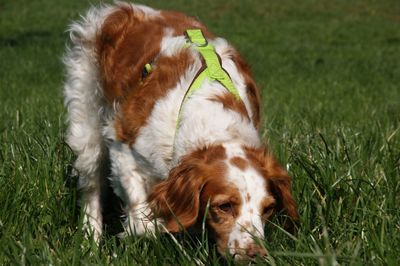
<point>173,112</point>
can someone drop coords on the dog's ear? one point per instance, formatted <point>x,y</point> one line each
<point>176,200</point>
<point>278,184</point>
<point>280,188</point>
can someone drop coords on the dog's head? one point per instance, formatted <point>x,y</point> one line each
<point>237,188</point>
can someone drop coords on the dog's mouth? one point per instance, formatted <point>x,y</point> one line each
<point>243,259</point>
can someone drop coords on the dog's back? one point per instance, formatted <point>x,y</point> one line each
<point>130,37</point>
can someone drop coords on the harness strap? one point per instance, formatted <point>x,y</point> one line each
<point>212,70</point>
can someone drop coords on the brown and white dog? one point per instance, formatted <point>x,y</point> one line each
<point>122,116</point>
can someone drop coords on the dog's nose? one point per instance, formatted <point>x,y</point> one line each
<point>254,250</point>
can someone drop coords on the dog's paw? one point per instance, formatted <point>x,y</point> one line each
<point>139,221</point>
<point>91,228</point>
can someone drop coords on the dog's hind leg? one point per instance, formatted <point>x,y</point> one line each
<point>85,139</point>
<point>86,110</point>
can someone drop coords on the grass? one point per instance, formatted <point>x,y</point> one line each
<point>330,75</point>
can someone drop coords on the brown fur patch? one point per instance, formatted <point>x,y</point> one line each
<point>253,93</point>
<point>247,225</point>
<point>229,102</point>
<point>178,199</point>
<point>236,244</point>
<point>139,103</point>
<point>248,197</point>
<point>239,163</point>
<point>126,42</point>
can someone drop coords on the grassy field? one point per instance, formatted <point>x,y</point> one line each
<point>330,75</point>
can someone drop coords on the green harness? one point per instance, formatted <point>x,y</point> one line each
<point>212,70</point>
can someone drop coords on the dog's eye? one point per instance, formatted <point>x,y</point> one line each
<point>225,207</point>
<point>268,210</point>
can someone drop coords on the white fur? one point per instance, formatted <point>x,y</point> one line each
<point>83,99</point>
<point>132,179</point>
<point>87,112</point>
<point>249,224</point>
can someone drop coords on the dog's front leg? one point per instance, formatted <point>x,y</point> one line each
<point>131,184</point>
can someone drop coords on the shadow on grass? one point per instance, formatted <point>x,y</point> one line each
<point>112,205</point>
<point>25,38</point>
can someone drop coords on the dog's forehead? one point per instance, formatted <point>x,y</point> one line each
<point>251,185</point>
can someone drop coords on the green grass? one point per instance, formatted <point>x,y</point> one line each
<point>330,76</point>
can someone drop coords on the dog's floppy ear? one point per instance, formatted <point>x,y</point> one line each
<point>278,183</point>
<point>176,200</point>
<point>280,187</point>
